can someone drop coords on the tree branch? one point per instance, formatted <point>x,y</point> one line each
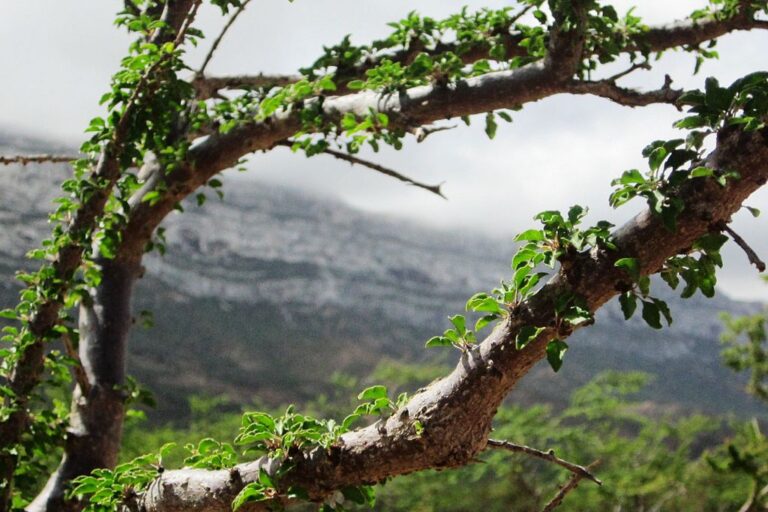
<point>548,456</point>
<point>572,483</point>
<point>209,86</point>
<point>36,159</point>
<point>624,96</point>
<point>217,41</point>
<point>353,160</point>
<point>754,259</point>
<point>455,413</point>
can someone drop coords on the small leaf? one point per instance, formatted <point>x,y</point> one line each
<point>531,235</point>
<point>556,350</point>
<point>438,341</point>
<point>525,335</point>
<point>631,266</point>
<point>483,321</point>
<point>651,314</point>
<point>373,393</point>
<point>460,323</point>
<point>628,302</point>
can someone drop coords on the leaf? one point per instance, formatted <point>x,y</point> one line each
<point>490,125</point>
<point>628,302</point>
<point>631,266</point>
<point>754,211</point>
<point>250,493</point>
<point>527,334</point>
<point>702,172</point>
<point>531,235</point>
<point>438,341</point>
<point>460,323</point>
<point>651,314</point>
<point>483,321</point>
<point>556,350</point>
<point>373,393</point>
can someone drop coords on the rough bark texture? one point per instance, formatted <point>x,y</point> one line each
<point>456,411</point>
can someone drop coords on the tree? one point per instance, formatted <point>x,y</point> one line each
<point>168,131</point>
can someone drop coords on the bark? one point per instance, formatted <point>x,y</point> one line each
<point>96,418</point>
<point>456,412</point>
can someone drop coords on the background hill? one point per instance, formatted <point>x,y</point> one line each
<point>262,296</point>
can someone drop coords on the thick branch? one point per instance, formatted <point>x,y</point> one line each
<point>455,413</point>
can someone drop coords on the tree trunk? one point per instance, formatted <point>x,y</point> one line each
<point>96,421</point>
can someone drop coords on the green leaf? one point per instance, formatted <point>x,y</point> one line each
<point>438,341</point>
<point>702,172</point>
<point>651,314</point>
<point>526,334</point>
<point>556,350</point>
<point>460,323</point>
<point>631,266</point>
<point>754,211</point>
<point>373,393</point>
<point>628,302</point>
<point>252,492</point>
<point>531,235</point>
<point>490,125</point>
<point>483,321</point>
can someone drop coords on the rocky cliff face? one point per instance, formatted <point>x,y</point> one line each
<point>266,293</point>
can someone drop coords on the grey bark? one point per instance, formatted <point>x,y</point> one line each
<point>96,418</point>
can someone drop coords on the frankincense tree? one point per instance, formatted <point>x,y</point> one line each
<point>169,129</point>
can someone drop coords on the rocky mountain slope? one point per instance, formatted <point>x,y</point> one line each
<point>263,295</point>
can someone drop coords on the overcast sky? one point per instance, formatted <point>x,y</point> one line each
<point>57,57</point>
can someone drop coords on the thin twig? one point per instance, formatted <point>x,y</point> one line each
<point>522,12</point>
<point>631,69</point>
<point>36,159</point>
<point>423,132</point>
<point>208,86</point>
<point>435,189</point>
<point>548,456</point>
<point>223,32</point>
<point>751,254</point>
<point>568,487</point>
<point>79,372</point>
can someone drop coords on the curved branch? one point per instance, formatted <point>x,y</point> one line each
<point>455,413</point>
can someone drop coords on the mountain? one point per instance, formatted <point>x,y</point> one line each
<point>263,295</point>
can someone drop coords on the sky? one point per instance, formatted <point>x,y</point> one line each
<point>58,56</point>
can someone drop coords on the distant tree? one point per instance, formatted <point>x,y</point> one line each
<point>169,130</point>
